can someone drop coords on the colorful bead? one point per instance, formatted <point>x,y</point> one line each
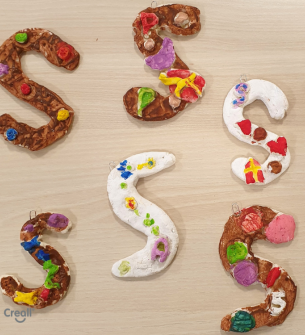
<point>279,146</point>
<point>151,163</point>
<point>236,252</point>
<point>160,249</point>
<point>53,269</point>
<point>245,126</point>
<point>3,69</point>
<point>45,294</point>
<point>252,222</point>
<point>281,229</point>
<point>26,298</point>
<point>149,44</point>
<point>31,245</point>
<point>124,174</point>
<point>148,20</point>
<point>21,37</point>
<point>181,19</point>
<point>164,58</point>
<point>145,97</point>
<point>25,89</point>
<point>242,322</point>
<point>245,273</point>
<point>240,91</point>
<point>42,255</point>
<point>11,134</point>
<point>273,276</point>
<point>65,51</point>
<point>131,203</point>
<point>253,172</point>
<point>58,221</point>
<point>124,268</point>
<point>62,115</point>
<point>29,228</point>
<point>123,186</point>
<point>148,222</point>
<point>155,230</point>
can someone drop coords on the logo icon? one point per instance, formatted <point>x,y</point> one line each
<point>20,316</point>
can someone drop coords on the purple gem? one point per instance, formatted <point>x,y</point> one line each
<point>58,221</point>
<point>245,273</point>
<point>164,58</point>
<point>29,228</point>
<point>3,69</point>
<point>156,252</point>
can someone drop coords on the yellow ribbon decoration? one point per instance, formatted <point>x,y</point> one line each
<point>181,83</point>
<point>27,298</point>
<point>253,168</point>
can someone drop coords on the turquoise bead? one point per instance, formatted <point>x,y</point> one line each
<point>242,322</point>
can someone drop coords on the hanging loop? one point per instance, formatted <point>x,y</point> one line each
<point>235,209</point>
<point>32,211</point>
<point>243,78</point>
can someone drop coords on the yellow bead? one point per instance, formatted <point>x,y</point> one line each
<point>62,115</point>
<point>27,298</point>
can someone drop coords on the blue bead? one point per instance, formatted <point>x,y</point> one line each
<point>11,134</point>
<point>42,255</point>
<point>31,245</point>
<point>121,168</point>
<point>126,174</point>
<point>124,163</point>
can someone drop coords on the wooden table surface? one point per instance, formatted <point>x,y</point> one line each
<point>264,40</point>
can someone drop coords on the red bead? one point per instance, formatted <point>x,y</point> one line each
<point>65,51</point>
<point>45,294</point>
<point>178,73</point>
<point>279,146</point>
<point>252,222</point>
<point>25,89</point>
<point>199,82</point>
<point>273,276</point>
<point>188,94</point>
<point>148,21</point>
<point>245,126</point>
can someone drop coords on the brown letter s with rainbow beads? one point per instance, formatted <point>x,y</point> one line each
<point>58,274</point>
<point>185,85</point>
<point>241,230</point>
<point>16,82</point>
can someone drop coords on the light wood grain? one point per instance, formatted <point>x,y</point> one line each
<point>265,40</point>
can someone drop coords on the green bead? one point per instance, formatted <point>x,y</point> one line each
<point>123,185</point>
<point>124,268</point>
<point>155,230</point>
<point>145,97</point>
<point>21,37</point>
<point>236,252</point>
<point>148,222</point>
<point>242,322</point>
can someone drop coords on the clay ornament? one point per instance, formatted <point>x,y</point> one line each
<point>17,83</point>
<point>241,230</point>
<point>185,86</point>
<point>241,95</point>
<point>141,214</point>
<point>58,274</point>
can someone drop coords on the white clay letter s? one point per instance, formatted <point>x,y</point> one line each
<point>141,214</point>
<point>241,95</point>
